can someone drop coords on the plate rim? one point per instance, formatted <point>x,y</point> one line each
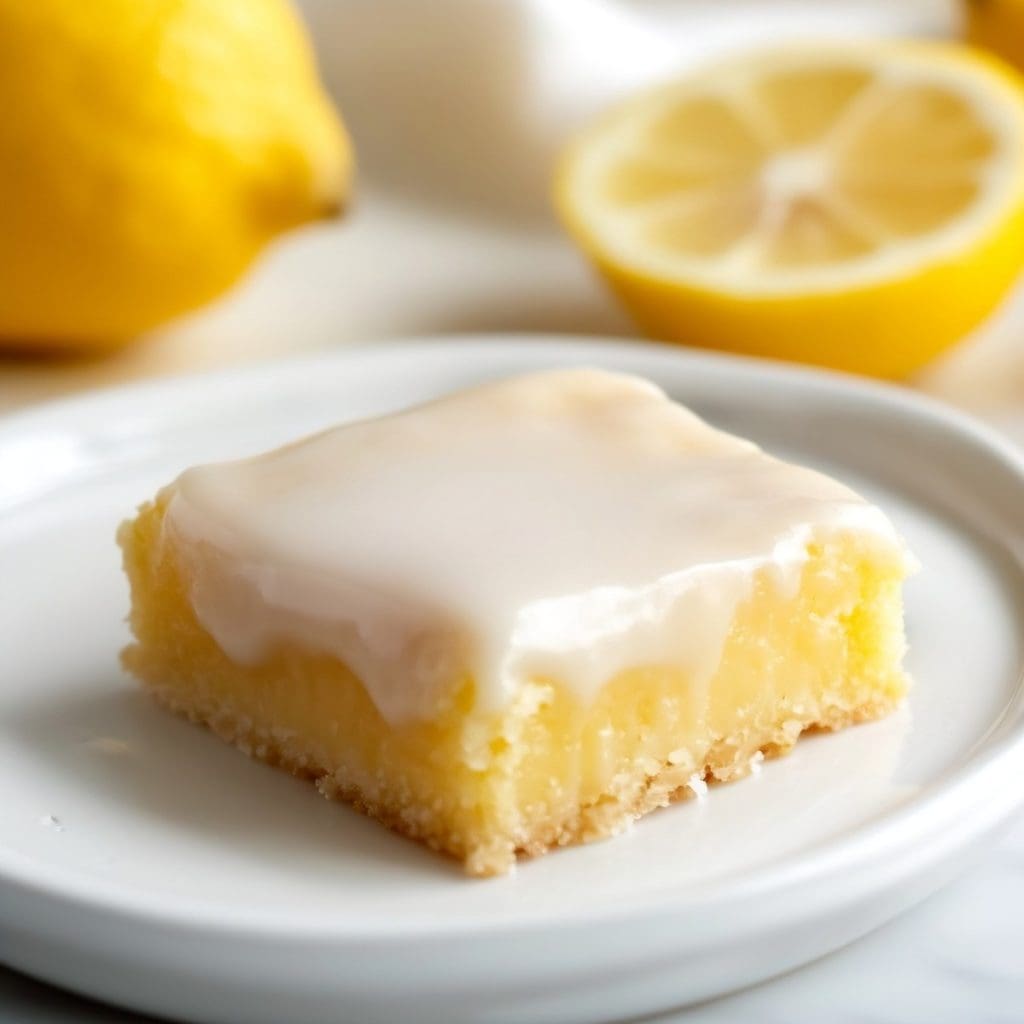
<point>880,843</point>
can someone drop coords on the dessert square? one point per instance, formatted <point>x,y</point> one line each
<point>518,617</point>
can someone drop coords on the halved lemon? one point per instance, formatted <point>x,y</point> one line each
<point>860,207</point>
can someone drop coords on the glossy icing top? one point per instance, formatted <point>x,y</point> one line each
<point>564,525</point>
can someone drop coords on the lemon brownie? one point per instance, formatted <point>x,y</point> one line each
<point>520,616</point>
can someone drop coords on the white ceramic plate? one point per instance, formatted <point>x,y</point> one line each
<point>144,862</point>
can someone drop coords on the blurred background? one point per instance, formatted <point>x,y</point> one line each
<point>456,111</point>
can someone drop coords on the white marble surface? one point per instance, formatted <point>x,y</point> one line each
<point>451,233</point>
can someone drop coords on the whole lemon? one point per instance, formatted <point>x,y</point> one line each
<point>148,150</point>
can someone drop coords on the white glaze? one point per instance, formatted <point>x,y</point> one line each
<point>567,525</point>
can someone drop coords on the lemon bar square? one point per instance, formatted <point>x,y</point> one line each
<point>518,617</point>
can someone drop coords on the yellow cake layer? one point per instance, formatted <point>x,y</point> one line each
<point>548,771</point>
